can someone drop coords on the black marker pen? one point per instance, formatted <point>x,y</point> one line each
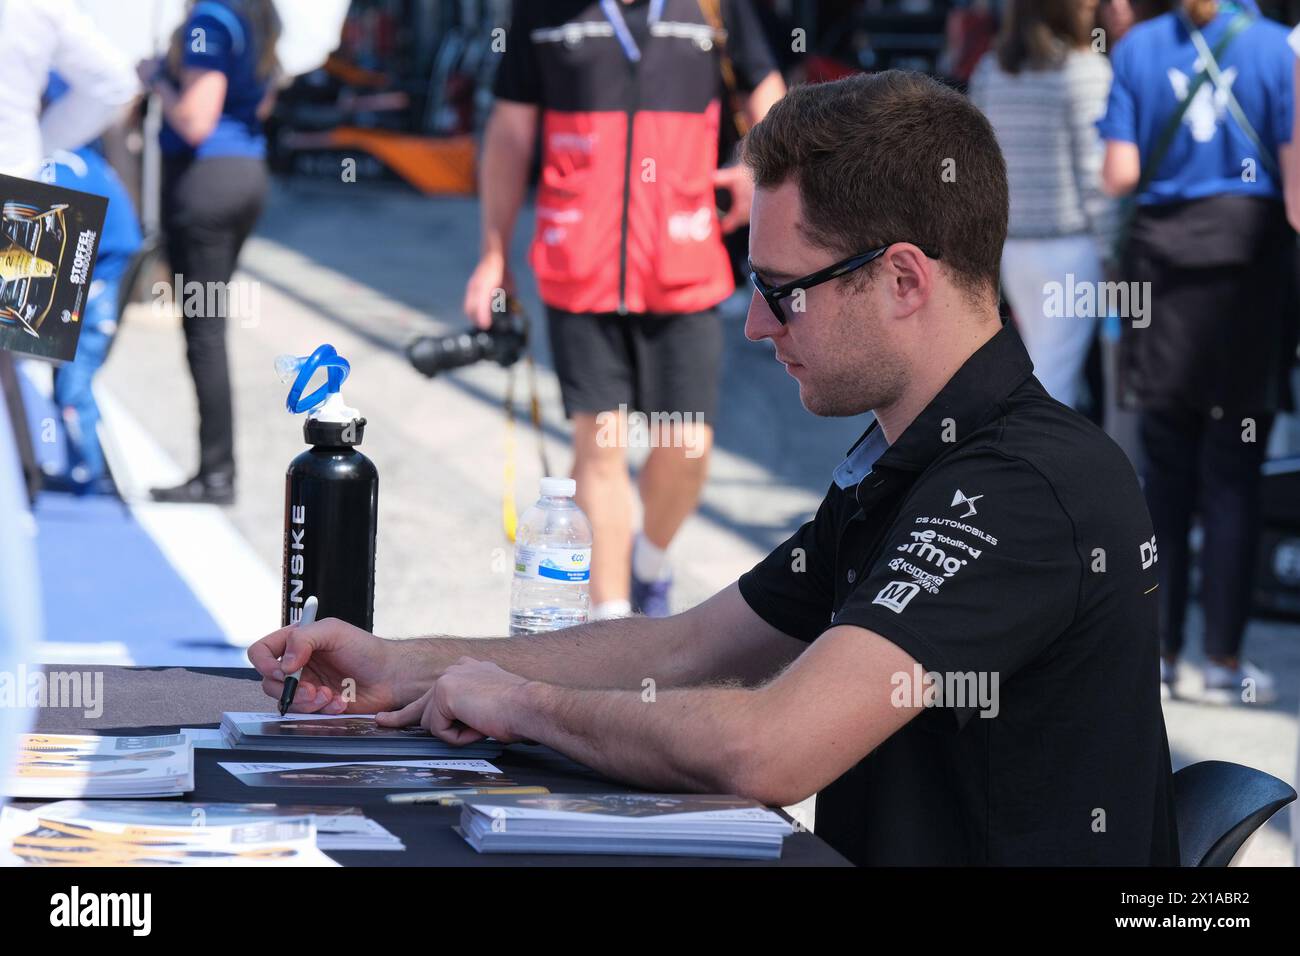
<point>291,682</point>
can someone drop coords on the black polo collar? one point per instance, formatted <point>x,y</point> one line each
<point>969,400</point>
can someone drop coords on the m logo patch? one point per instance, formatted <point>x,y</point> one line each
<point>896,594</point>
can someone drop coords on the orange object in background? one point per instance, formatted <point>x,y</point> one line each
<point>434,166</point>
<point>352,75</point>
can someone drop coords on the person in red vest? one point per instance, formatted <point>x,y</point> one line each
<point>628,250</point>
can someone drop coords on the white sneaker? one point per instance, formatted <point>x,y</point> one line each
<point>1168,679</point>
<point>1247,684</point>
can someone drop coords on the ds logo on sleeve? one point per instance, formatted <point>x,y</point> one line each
<point>1147,551</point>
<point>969,501</point>
<point>896,594</point>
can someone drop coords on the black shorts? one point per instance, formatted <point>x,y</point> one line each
<point>650,363</point>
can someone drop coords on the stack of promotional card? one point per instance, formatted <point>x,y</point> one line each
<point>638,823</point>
<point>337,828</point>
<point>373,774</point>
<point>342,735</point>
<point>65,765</point>
<point>79,834</point>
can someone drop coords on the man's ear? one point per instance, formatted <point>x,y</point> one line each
<point>911,276</point>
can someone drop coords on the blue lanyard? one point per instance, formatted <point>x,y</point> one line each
<point>615,17</point>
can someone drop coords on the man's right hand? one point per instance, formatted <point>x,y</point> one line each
<point>485,290</point>
<point>344,669</point>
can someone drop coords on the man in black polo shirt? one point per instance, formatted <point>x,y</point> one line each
<point>958,652</point>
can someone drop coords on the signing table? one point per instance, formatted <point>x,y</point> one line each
<point>157,700</point>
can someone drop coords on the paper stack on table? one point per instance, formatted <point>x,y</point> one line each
<point>61,835</point>
<point>206,738</point>
<point>373,774</point>
<point>342,734</point>
<point>66,765</point>
<point>636,823</point>
<point>337,828</point>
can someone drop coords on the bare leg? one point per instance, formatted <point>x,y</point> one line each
<point>605,496</point>
<point>673,478</point>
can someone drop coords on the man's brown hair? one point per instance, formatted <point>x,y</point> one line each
<point>890,157</point>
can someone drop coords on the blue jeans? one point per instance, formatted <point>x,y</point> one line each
<point>72,392</point>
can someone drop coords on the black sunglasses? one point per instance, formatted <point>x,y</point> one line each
<point>773,295</point>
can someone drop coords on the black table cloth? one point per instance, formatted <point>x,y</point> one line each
<point>155,700</point>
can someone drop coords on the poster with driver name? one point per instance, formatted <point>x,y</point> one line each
<point>49,237</point>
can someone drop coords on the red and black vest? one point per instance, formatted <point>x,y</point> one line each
<point>626,219</point>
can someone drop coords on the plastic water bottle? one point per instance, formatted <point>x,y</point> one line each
<point>552,563</point>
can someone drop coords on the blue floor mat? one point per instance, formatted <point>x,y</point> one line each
<point>104,579</point>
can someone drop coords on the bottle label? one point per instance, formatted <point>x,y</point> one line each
<point>553,564</point>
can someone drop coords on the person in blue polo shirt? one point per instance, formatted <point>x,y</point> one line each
<point>216,86</point>
<point>1198,128</point>
<point>86,170</point>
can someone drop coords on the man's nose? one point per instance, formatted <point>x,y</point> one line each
<point>760,323</point>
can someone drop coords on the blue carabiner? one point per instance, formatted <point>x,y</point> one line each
<point>336,370</point>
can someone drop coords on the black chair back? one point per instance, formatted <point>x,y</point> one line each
<point>1219,805</point>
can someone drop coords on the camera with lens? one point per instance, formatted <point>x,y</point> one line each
<point>504,342</point>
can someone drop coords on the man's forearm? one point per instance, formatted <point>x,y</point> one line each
<point>775,743</point>
<point>721,639</point>
<point>692,740</point>
<point>616,654</point>
<point>503,185</point>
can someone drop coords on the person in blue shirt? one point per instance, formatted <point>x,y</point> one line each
<point>1154,67</point>
<point>1210,248</point>
<point>89,172</point>
<point>216,86</point>
<point>86,170</point>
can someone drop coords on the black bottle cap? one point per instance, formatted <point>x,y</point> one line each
<point>333,434</point>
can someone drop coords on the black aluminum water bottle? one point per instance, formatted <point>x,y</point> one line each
<point>331,515</point>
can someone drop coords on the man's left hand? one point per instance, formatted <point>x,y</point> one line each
<point>471,700</point>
